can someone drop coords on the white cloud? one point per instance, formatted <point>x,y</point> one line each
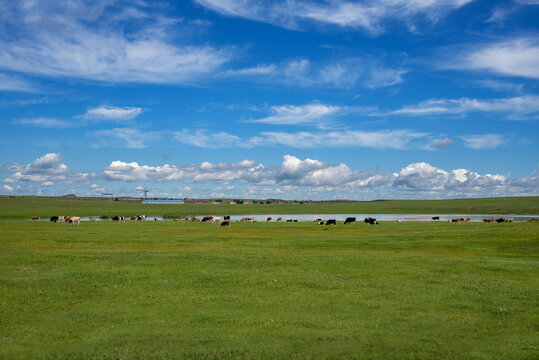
<point>124,137</point>
<point>86,41</point>
<point>486,141</point>
<point>445,142</point>
<point>113,113</point>
<point>382,139</point>
<point>16,83</point>
<point>43,122</point>
<point>369,15</point>
<point>46,170</point>
<point>513,57</point>
<point>300,115</point>
<point>344,73</point>
<point>293,175</point>
<point>519,107</point>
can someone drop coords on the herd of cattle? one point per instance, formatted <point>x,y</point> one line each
<point>225,220</point>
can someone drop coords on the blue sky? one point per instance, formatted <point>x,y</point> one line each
<point>275,99</point>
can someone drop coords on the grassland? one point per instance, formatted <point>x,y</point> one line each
<point>25,207</point>
<point>179,290</point>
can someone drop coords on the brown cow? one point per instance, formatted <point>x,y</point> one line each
<point>280,219</point>
<point>534,219</point>
<point>35,217</point>
<point>226,223</point>
<point>488,220</point>
<point>207,218</point>
<point>268,219</point>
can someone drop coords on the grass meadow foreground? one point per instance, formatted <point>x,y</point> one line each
<point>146,290</point>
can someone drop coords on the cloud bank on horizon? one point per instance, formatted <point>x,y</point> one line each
<point>291,177</point>
<point>440,94</point>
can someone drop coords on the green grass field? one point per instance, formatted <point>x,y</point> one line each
<point>45,207</point>
<point>181,290</point>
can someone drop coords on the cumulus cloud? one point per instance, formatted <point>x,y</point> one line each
<point>46,170</point>
<point>485,141</point>
<point>343,73</point>
<point>112,113</point>
<point>513,57</point>
<point>382,139</point>
<point>369,15</point>
<point>295,174</point>
<point>89,41</point>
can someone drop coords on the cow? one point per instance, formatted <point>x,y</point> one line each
<point>55,219</point>
<point>206,218</point>
<point>268,219</point>
<point>350,220</point>
<point>133,218</point>
<point>331,222</point>
<point>435,218</point>
<point>215,219</point>
<point>289,220</point>
<point>398,221</point>
<point>279,219</point>
<point>35,217</point>
<point>247,218</point>
<point>510,220</point>
<point>118,218</point>
<point>534,219</point>
<point>141,217</point>
<point>500,220</point>
<point>317,220</point>
<point>226,223</point>
<point>194,218</point>
<point>74,220</point>
<point>226,217</point>
<point>320,222</point>
<point>456,220</point>
<point>488,220</point>
<point>295,220</point>
<point>175,219</point>
<point>370,221</point>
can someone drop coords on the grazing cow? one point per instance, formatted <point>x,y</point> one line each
<point>133,218</point>
<point>488,220</point>
<point>279,219</point>
<point>457,220</point>
<point>141,217</point>
<point>289,220</point>
<point>510,220</point>
<point>398,221</point>
<point>206,218</point>
<point>370,221</point>
<point>331,222</point>
<point>67,218</point>
<point>35,217</point>
<point>500,220</point>
<point>175,219</point>
<point>215,219</point>
<point>226,217</point>
<point>317,220</point>
<point>194,218</point>
<point>350,220</point>
<point>268,219</point>
<point>118,218</point>
<point>55,218</point>
<point>74,220</point>
<point>320,223</point>
<point>247,218</point>
<point>295,220</point>
<point>534,219</point>
<point>435,218</point>
<point>226,223</point>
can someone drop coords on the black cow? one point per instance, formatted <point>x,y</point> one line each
<point>331,222</point>
<point>117,218</point>
<point>55,218</point>
<point>226,217</point>
<point>350,220</point>
<point>500,220</point>
<point>435,218</point>
<point>370,221</point>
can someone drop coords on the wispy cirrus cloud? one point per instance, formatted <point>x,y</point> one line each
<point>342,73</point>
<point>89,41</point>
<point>316,114</point>
<point>131,138</point>
<point>520,107</point>
<point>369,15</point>
<point>484,141</point>
<point>382,139</point>
<point>16,83</point>
<point>112,113</point>
<point>511,57</point>
<point>44,122</point>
